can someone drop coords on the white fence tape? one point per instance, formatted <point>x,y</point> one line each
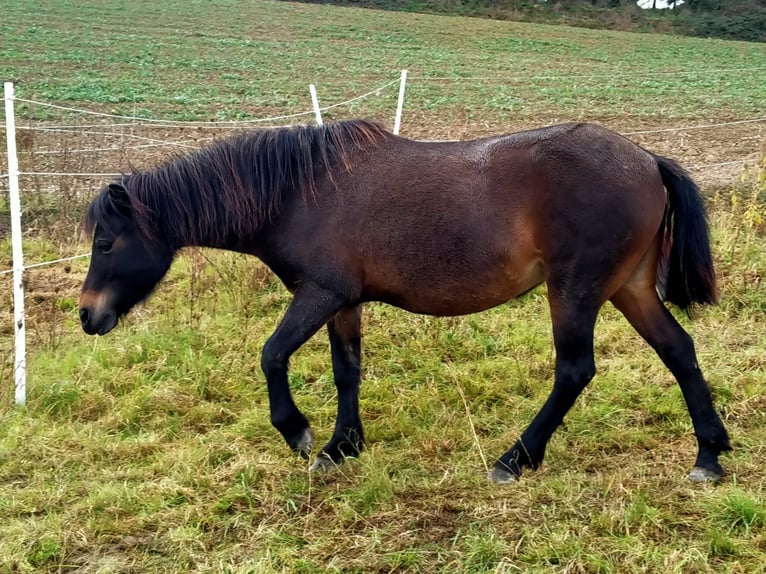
<point>222,123</point>
<point>66,174</point>
<point>696,127</point>
<point>46,263</point>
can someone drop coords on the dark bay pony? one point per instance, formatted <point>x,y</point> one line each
<point>348,213</point>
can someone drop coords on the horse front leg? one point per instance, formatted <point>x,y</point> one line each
<point>311,308</point>
<point>345,334</point>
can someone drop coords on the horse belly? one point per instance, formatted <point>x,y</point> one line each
<point>455,242</point>
<point>457,289</point>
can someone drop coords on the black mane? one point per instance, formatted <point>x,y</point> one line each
<point>234,185</point>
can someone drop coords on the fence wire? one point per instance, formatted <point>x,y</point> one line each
<point>217,124</point>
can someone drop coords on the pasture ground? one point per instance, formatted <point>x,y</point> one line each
<point>150,450</point>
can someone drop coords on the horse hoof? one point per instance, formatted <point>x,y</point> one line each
<point>323,464</point>
<point>699,474</point>
<point>502,476</point>
<point>305,444</point>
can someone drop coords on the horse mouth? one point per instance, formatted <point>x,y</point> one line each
<point>100,325</point>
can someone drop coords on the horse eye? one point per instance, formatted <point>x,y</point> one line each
<point>104,246</point>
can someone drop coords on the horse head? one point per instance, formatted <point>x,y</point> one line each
<point>125,265</point>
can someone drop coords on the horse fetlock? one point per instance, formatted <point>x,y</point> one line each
<point>299,437</point>
<point>508,468</point>
<point>338,450</point>
<point>707,461</point>
<point>717,444</point>
<point>348,444</point>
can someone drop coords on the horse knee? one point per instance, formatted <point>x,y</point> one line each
<point>272,359</point>
<point>575,374</point>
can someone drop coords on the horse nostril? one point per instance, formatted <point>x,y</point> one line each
<point>84,315</point>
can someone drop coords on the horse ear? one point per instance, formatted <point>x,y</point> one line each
<point>119,198</point>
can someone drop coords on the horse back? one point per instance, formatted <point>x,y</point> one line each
<point>453,228</point>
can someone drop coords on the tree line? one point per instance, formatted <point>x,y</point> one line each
<point>728,19</point>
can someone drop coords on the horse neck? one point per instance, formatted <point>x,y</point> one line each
<point>194,202</point>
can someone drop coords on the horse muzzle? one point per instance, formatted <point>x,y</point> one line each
<point>95,315</point>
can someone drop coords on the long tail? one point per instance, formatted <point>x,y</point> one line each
<point>686,274</point>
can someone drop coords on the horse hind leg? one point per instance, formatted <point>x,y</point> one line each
<point>573,324</point>
<point>642,307</point>
<point>577,288</point>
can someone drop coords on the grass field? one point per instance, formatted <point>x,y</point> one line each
<point>150,450</point>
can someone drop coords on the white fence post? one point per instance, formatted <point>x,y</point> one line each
<point>400,103</point>
<point>20,359</point>
<point>315,103</point>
